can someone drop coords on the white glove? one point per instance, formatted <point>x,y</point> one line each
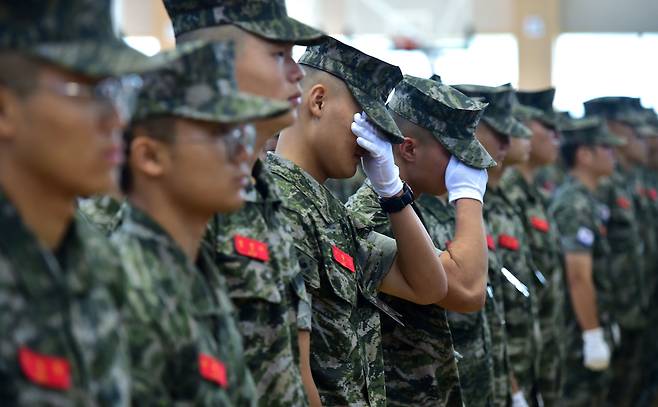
<point>518,399</point>
<point>596,353</point>
<point>379,165</point>
<point>463,181</point>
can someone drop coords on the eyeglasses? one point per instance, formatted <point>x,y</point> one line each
<point>235,138</point>
<point>117,92</point>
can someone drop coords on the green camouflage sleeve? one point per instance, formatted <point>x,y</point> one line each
<point>575,221</point>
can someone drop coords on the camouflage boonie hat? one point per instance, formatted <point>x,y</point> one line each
<point>77,35</point>
<point>369,79</point>
<point>265,18</point>
<point>448,114</point>
<point>589,131</point>
<point>436,78</point>
<point>619,108</point>
<point>499,113</point>
<point>541,100</point>
<point>201,86</point>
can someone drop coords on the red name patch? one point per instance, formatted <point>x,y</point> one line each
<point>213,370</point>
<point>343,258</point>
<point>491,244</point>
<point>623,202</point>
<point>251,248</point>
<point>508,242</point>
<point>652,194</point>
<point>47,371</point>
<point>539,224</point>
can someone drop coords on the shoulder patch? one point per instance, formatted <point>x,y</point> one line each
<point>585,236</point>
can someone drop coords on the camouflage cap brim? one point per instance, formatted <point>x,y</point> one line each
<point>377,114</point>
<point>102,59</point>
<point>284,29</point>
<point>469,151</point>
<point>508,126</point>
<point>525,113</point>
<point>235,108</point>
<point>589,131</point>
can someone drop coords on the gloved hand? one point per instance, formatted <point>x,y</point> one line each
<point>379,165</point>
<point>518,400</point>
<point>463,181</point>
<point>596,353</point>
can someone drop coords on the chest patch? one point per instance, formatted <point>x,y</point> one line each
<point>251,248</point>
<point>343,258</point>
<point>47,371</point>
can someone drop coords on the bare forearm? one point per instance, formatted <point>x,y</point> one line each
<point>312,393</point>
<point>582,291</point>
<point>465,260</point>
<point>416,257</point>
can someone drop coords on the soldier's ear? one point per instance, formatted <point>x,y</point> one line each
<point>316,100</point>
<point>407,150</point>
<point>148,157</point>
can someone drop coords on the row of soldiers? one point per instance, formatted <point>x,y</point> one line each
<point>205,272</point>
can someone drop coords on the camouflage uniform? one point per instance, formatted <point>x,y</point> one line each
<point>581,220</point>
<point>192,326</point>
<point>62,341</point>
<point>547,256</point>
<point>178,319</point>
<point>471,335</point>
<point>520,300</point>
<point>101,211</point>
<point>343,189</point>
<point>427,375</point>
<point>342,273</point>
<point>415,375</point>
<point>268,292</point>
<point>519,297</point>
<point>627,258</point>
<point>495,313</point>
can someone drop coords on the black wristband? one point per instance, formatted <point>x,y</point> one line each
<point>396,204</point>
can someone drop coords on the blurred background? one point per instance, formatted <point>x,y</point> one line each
<point>585,48</point>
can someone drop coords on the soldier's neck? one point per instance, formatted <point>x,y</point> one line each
<point>44,209</point>
<point>527,170</point>
<point>495,174</point>
<point>586,178</point>
<point>184,226</point>
<point>293,146</point>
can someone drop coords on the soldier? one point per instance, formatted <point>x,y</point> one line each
<point>518,186</point>
<point>268,290</point>
<point>61,288</point>
<point>439,151</point>
<point>626,261</point>
<point>511,242</point>
<point>587,151</point>
<point>344,271</point>
<point>187,159</point>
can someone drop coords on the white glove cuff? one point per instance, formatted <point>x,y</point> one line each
<point>466,192</point>
<point>389,189</point>
<point>593,335</point>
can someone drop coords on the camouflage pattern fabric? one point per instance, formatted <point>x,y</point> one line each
<point>200,85</point>
<point>369,79</point>
<point>519,288</point>
<point>445,112</point>
<point>548,179</point>
<point>268,291</point>
<point>177,322</point>
<point>581,219</point>
<point>589,131</point>
<point>73,34</point>
<point>102,212</point>
<point>617,108</point>
<point>494,310</point>
<point>547,255</point>
<point>343,189</point>
<point>418,357</point>
<point>342,272</point>
<point>626,268</point>
<point>543,101</point>
<point>471,335</point>
<point>499,113</point>
<point>62,339</point>
<point>265,18</point>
